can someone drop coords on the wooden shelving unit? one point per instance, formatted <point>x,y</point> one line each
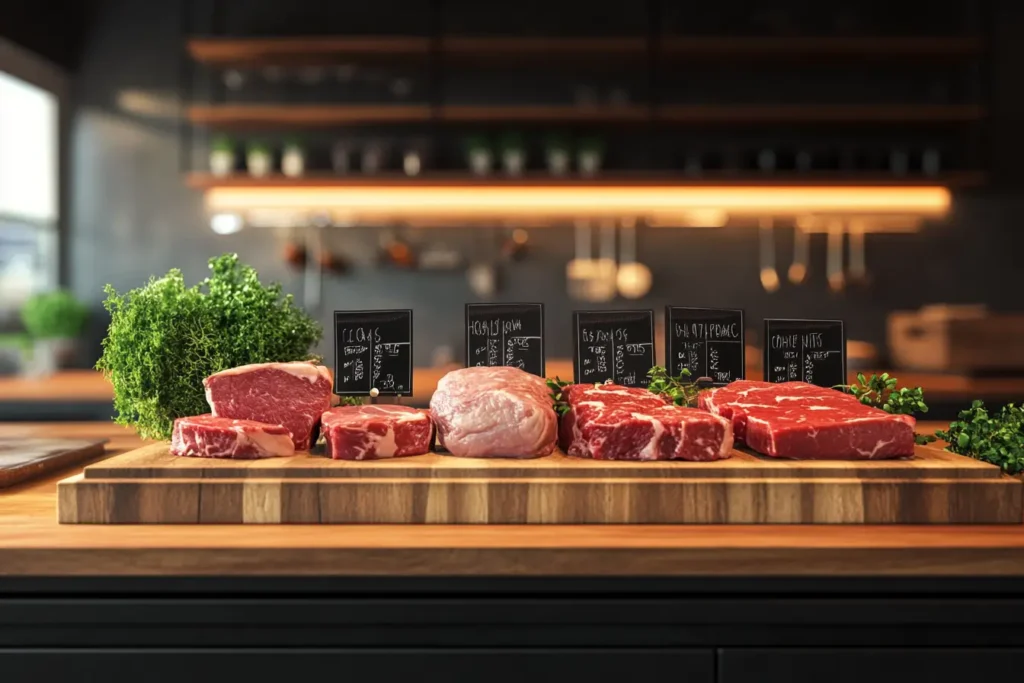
<point>295,115</point>
<point>277,50</point>
<point>207,181</point>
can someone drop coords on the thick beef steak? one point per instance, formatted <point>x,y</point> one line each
<point>376,431</point>
<point>494,412</point>
<point>806,422</point>
<point>294,395</point>
<point>611,422</point>
<point>206,436</point>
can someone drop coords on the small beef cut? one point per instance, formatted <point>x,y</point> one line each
<point>494,412</point>
<point>294,395</point>
<point>611,422</point>
<point>376,431</point>
<point>206,436</point>
<point>805,422</point>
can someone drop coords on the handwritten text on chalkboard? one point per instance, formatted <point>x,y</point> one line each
<point>373,350</point>
<point>613,345</point>
<point>706,341</point>
<point>812,351</point>
<point>506,335</point>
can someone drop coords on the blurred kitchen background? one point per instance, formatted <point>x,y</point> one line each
<point>688,150</point>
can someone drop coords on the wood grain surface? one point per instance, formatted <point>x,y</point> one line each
<point>23,458</point>
<point>32,543</point>
<point>151,486</point>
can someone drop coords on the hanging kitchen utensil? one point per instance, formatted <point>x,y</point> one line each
<point>769,276</point>
<point>634,278</point>
<point>483,275</point>
<point>801,254</point>
<point>312,286</point>
<point>603,283</point>
<point>577,271</point>
<point>514,247</point>
<point>858,264</point>
<point>834,256</point>
<point>295,254</point>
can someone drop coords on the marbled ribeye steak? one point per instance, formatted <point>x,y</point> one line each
<point>206,436</point>
<point>611,422</point>
<point>294,395</point>
<point>805,422</point>
<point>376,431</point>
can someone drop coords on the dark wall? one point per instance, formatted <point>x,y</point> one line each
<point>132,216</point>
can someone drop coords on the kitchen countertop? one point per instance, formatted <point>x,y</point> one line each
<point>32,543</point>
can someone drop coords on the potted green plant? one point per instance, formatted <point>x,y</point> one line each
<point>513,153</point>
<point>479,154</point>
<point>258,159</point>
<point>54,321</point>
<point>556,150</point>
<point>589,156</point>
<point>293,158</point>
<point>222,156</point>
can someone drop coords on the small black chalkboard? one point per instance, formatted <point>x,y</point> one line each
<point>505,335</point>
<point>373,350</point>
<point>706,341</point>
<point>812,351</point>
<point>613,345</point>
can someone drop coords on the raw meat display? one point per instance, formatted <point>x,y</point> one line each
<point>483,412</point>
<point>206,436</point>
<point>376,431</point>
<point>611,422</point>
<point>294,395</point>
<point>806,422</point>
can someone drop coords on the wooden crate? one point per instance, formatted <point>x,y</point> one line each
<point>969,344</point>
<point>151,486</point>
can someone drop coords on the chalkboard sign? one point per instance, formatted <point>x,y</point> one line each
<point>706,341</point>
<point>505,335</point>
<point>373,350</point>
<point>613,345</point>
<point>812,351</point>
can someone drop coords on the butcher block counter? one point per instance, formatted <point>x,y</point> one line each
<point>709,603</point>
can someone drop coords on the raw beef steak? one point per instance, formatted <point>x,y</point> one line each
<point>294,395</point>
<point>806,422</point>
<point>377,431</point>
<point>494,412</point>
<point>611,422</point>
<point>206,436</point>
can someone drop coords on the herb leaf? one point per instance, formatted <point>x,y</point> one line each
<point>879,391</point>
<point>556,385</point>
<point>996,438</point>
<point>677,389</point>
<point>350,400</point>
<point>165,338</point>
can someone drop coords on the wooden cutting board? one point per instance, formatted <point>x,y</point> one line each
<point>151,486</point>
<point>22,459</point>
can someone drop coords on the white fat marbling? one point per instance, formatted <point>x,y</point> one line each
<point>307,371</point>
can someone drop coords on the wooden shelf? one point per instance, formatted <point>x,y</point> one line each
<point>271,115</point>
<point>319,49</point>
<point>206,181</point>
<point>818,113</point>
<point>292,115</point>
<point>821,46</point>
<point>257,51</point>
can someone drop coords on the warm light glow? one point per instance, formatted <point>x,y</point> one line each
<point>660,204</point>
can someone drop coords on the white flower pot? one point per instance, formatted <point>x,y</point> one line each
<point>514,161</point>
<point>293,163</point>
<point>558,161</point>
<point>222,162</point>
<point>258,163</point>
<point>50,355</point>
<point>589,162</point>
<point>480,161</point>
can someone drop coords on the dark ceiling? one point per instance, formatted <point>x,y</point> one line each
<point>54,29</point>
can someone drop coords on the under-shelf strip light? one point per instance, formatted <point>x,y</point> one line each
<point>470,203</point>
